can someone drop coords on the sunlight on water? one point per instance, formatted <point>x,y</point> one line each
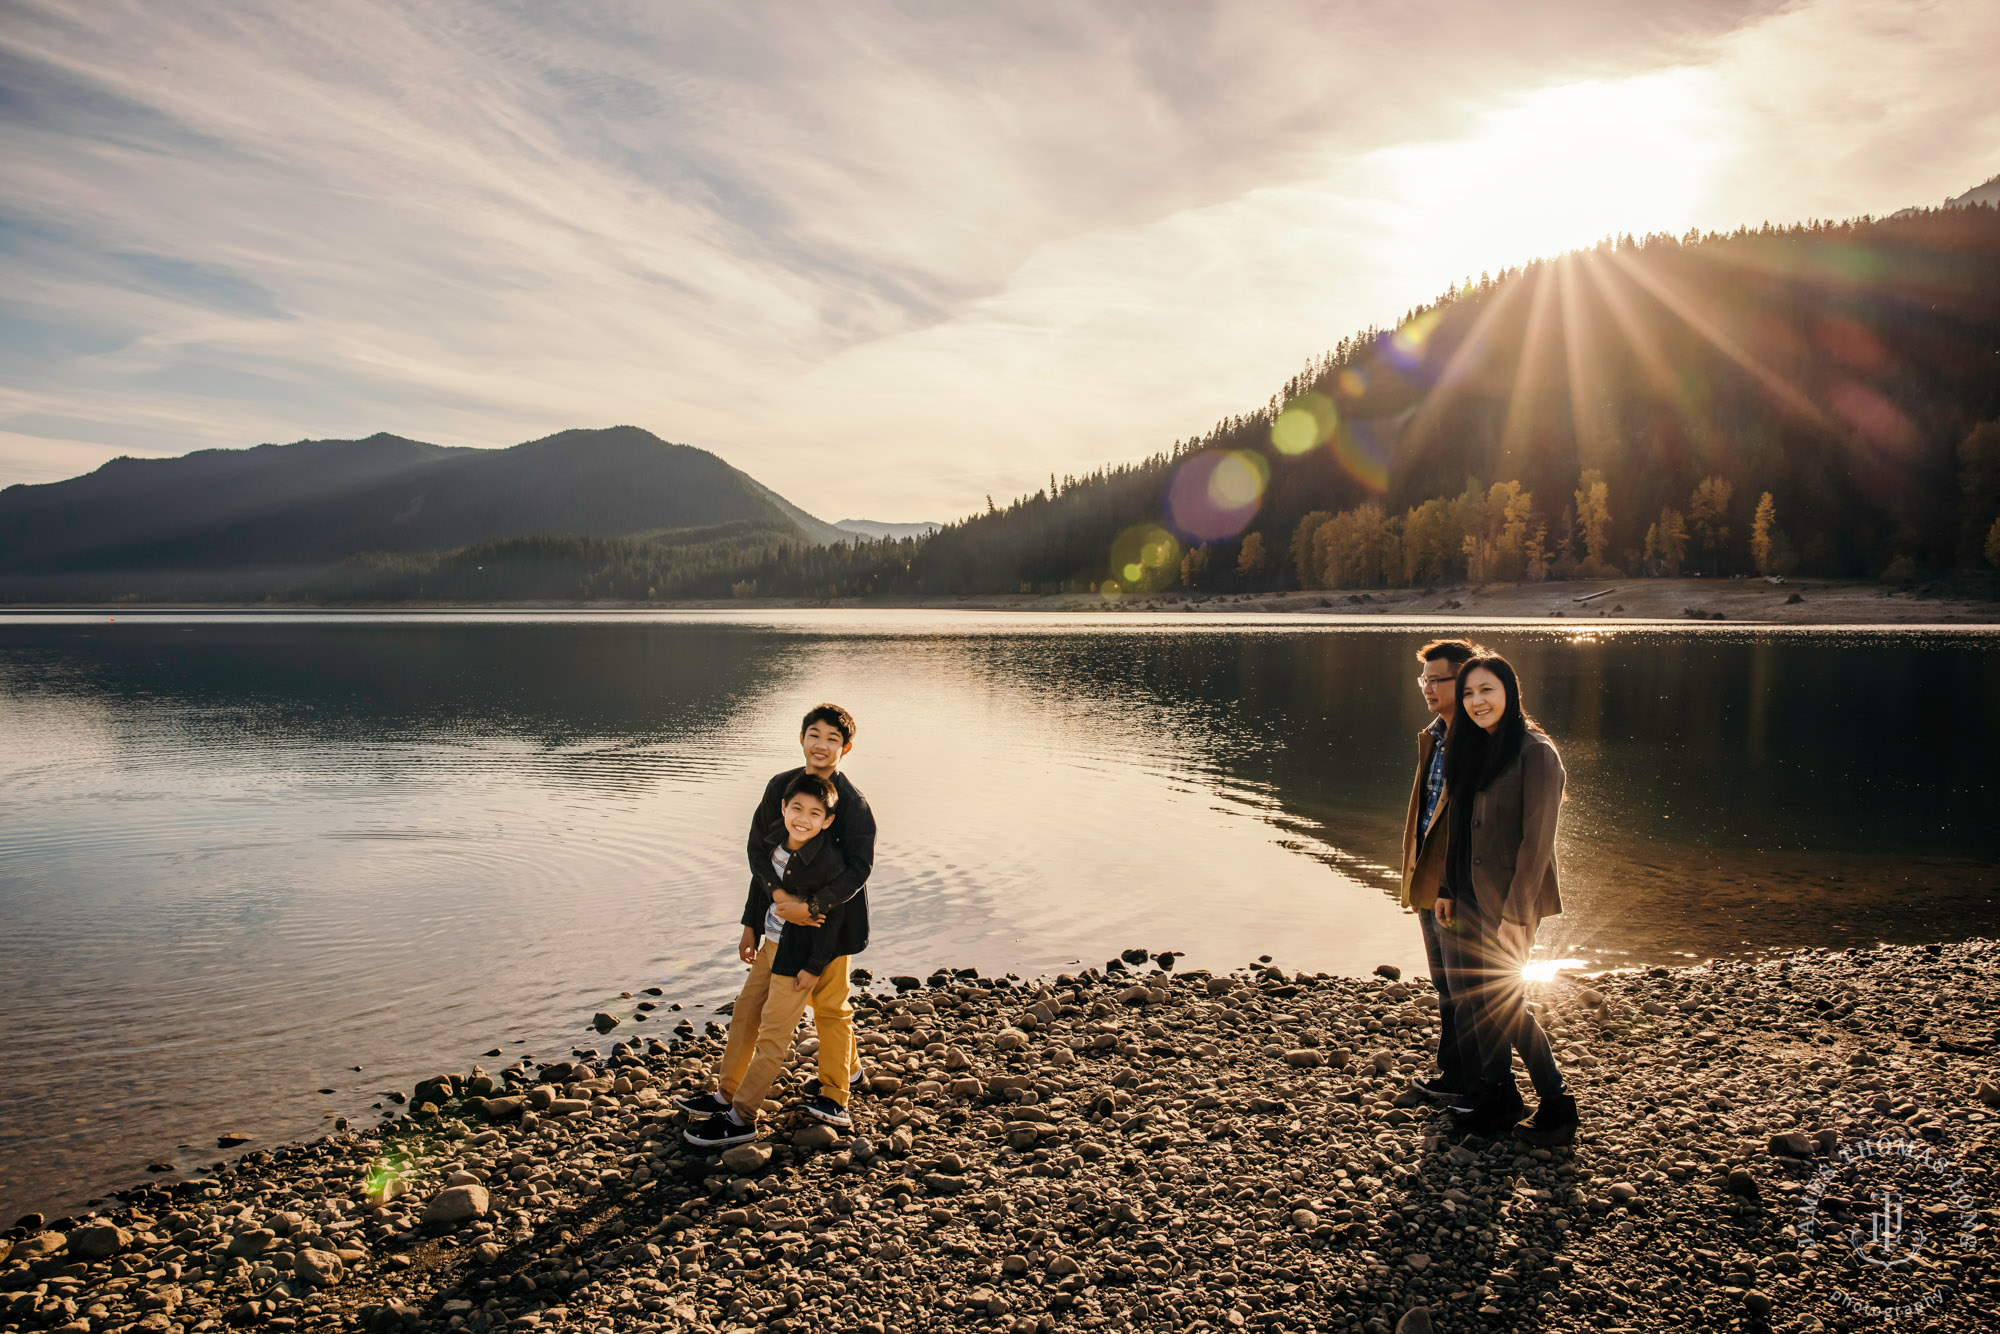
<point>1545,970</point>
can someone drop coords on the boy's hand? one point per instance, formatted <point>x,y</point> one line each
<point>746,950</point>
<point>792,909</point>
<point>806,981</point>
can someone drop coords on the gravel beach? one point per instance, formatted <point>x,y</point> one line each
<point>1805,1142</point>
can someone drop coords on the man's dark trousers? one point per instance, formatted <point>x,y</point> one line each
<point>1457,1055</point>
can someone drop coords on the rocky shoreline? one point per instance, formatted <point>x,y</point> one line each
<point>1135,1148</point>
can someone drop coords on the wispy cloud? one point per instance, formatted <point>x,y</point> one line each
<point>885,257</point>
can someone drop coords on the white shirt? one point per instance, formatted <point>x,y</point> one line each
<point>774,925</point>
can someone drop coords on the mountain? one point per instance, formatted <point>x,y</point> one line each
<point>1988,193</point>
<point>220,521</point>
<point>891,532</point>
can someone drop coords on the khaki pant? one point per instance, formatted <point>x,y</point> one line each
<point>761,1025</point>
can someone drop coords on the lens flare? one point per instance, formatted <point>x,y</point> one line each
<point>1545,970</point>
<point>1406,346</point>
<point>1307,421</point>
<point>1362,450</point>
<point>388,1178</point>
<point>1353,383</point>
<point>1216,493</point>
<point>1144,559</point>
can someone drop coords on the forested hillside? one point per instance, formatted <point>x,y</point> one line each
<point>1820,398</point>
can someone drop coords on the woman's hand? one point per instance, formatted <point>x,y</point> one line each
<point>806,981</point>
<point>791,908</point>
<point>1515,940</point>
<point>746,949</point>
<point>1443,911</point>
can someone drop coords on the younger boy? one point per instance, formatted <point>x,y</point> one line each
<point>792,964</point>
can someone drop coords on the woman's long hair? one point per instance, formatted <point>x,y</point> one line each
<point>1473,758</point>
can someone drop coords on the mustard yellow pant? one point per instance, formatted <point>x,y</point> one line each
<point>766,1014</point>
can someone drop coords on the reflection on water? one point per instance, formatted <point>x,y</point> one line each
<point>241,856</point>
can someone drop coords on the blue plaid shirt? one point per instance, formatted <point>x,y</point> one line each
<point>1434,780</point>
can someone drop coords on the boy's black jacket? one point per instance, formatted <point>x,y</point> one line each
<point>830,872</point>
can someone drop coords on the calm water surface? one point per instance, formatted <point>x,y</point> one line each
<point>240,856</point>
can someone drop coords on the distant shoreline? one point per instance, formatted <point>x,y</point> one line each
<point>1741,601</point>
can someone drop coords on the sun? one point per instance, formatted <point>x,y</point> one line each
<point>1560,169</point>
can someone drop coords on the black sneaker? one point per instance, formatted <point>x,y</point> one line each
<point>718,1132</point>
<point>1497,1108</point>
<point>702,1104</point>
<point>829,1111</point>
<point>1444,1089</point>
<point>813,1088</point>
<point>1553,1124</point>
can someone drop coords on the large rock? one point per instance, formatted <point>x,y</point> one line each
<point>1010,1039</point>
<point>319,1269</point>
<point>745,1158</point>
<point>816,1136</point>
<point>249,1245</point>
<point>39,1245</point>
<point>456,1204</point>
<point>1792,1144</point>
<point>1416,1320</point>
<point>99,1241</point>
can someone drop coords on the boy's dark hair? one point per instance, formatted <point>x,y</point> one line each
<point>833,714</point>
<point>1457,652</point>
<point>820,789</point>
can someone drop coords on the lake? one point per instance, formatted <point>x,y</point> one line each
<point>242,855</point>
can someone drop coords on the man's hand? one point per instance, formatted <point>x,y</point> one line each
<point>746,949</point>
<point>1515,939</point>
<point>1443,911</point>
<point>806,981</point>
<point>792,909</point>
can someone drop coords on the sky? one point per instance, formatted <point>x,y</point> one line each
<point>889,258</point>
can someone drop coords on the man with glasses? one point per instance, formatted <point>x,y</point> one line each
<point>1424,835</point>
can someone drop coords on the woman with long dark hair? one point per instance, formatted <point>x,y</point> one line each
<point>1505,782</point>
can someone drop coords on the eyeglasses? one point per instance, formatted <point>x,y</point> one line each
<point>1426,682</point>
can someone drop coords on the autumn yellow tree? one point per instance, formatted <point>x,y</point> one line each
<point>1708,516</point>
<point>1430,543</point>
<point>1761,525</point>
<point>1497,549</point>
<point>1359,548</point>
<point>1593,516</point>
<point>1303,562</point>
<point>1666,543</point>
<point>1536,564</point>
<point>1250,557</point>
<point>1194,567</point>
